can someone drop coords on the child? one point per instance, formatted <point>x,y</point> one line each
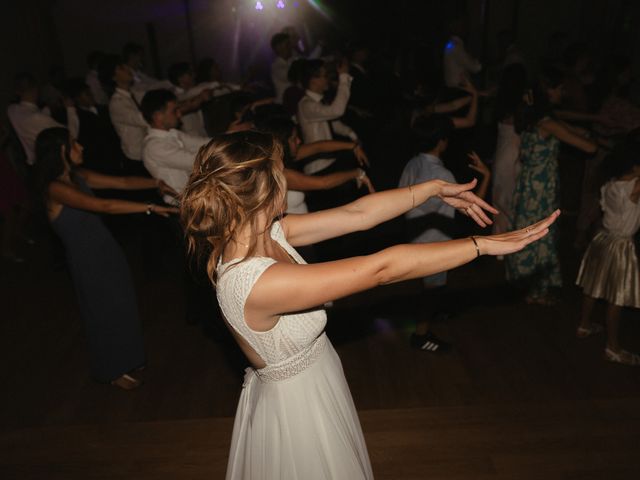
<point>432,221</point>
<point>609,268</point>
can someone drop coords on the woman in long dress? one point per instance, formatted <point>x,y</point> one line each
<point>98,267</point>
<point>296,418</point>
<point>537,267</point>
<point>506,164</point>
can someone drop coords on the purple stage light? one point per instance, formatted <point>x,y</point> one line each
<point>280,4</point>
<point>259,5</point>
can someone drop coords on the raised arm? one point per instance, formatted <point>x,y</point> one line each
<point>100,181</point>
<point>65,194</point>
<point>469,120</point>
<point>300,181</point>
<point>318,112</point>
<point>371,210</point>
<point>323,146</point>
<point>285,287</point>
<point>571,116</point>
<point>451,106</point>
<point>327,146</point>
<point>566,135</point>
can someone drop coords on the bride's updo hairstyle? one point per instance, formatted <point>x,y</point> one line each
<point>235,178</point>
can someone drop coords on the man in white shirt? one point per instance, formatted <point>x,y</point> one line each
<point>132,55</point>
<point>28,120</point>
<point>124,111</point>
<point>314,117</point>
<point>190,98</point>
<point>457,62</point>
<point>167,152</point>
<point>169,155</point>
<point>281,46</point>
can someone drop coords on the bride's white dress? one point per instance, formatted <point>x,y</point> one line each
<point>296,418</point>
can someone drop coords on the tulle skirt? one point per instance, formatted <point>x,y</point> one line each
<point>302,427</point>
<point>609,270</point>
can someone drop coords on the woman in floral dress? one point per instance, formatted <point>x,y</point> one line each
<point>537,267</point>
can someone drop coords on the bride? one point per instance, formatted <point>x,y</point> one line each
<point>296,418</point>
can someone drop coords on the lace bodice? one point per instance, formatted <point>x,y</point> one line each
<point>293,334</point>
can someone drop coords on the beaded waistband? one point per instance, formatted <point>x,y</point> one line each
<point>295,364</point>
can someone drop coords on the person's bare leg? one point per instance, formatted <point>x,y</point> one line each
<point>587,309</point>
<point>613,327</point>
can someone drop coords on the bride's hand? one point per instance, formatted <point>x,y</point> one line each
<point>510,242</point>
<point>461,197</point>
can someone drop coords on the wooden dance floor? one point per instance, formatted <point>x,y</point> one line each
<point>576,440</point>
<point>519,398</point>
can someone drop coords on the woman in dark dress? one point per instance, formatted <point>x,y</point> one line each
<point>98,267</point>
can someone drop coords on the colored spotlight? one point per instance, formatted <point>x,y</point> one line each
<point>259,5</point>
<point>280,4</point>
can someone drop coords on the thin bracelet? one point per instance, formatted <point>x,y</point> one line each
<point>413,198</point>
<point>473,239</point>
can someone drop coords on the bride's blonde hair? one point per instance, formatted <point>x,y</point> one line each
<point>235,178</point>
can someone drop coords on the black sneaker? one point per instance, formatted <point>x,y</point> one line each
<point>430,343</point>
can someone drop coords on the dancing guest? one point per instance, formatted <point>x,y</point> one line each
<point>133,56</point>
<point>168,153</point>
<point>125,115</point>
<point>26,117</point>
<point>537,268</point>
<point>609,268</point>
<point>286,132</point>
<point>296,417</point>
<point>190,98</point>
<point>317,120</point>
<point>97,264</point>
<point>282,47</point>
<point>506,162</point>
<point>458,64</point>
<point>432,221</point>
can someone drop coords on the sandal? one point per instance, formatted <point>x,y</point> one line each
<point>126,382</point>
<point>584,332</point>
<point>623,357</point>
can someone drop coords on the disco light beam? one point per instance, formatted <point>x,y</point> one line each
<point>324,10</point>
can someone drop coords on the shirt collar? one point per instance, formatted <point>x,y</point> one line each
<point>158,133</point>
<point>315,96</point>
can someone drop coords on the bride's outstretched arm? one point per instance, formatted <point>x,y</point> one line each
<point>371,210</point>
<point>285,287</point>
